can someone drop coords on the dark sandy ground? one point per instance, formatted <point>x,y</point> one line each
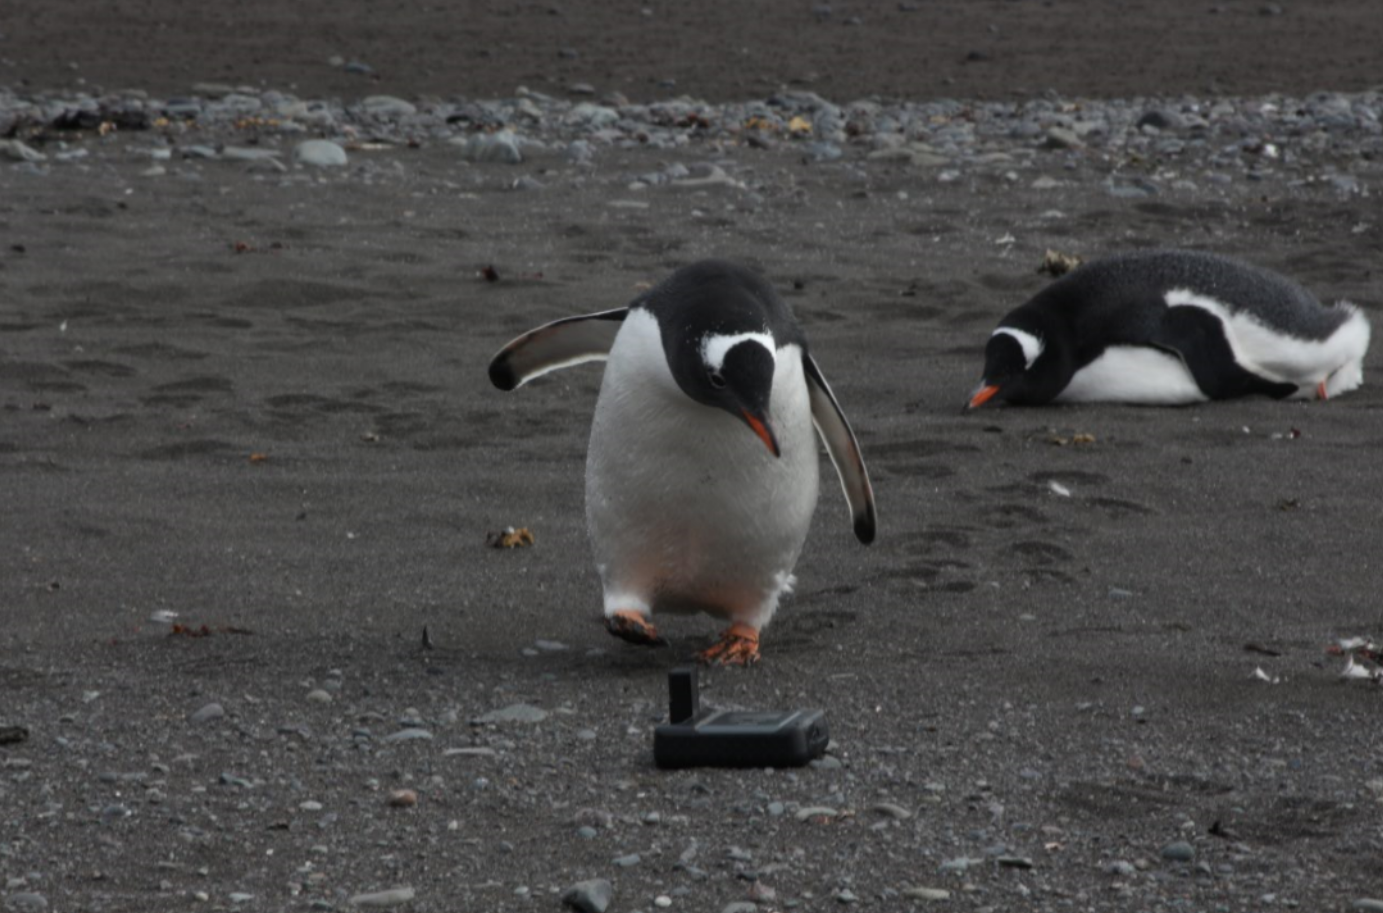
<point>296,446</point>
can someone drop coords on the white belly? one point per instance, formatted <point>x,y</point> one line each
<point>1133,374</point>
<point>687,509</point>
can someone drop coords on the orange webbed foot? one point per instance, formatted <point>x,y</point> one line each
<point>627,624</point>
<point>738,646</point>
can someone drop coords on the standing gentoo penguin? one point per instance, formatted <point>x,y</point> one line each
<point>701,476</point>
<point>1170,327</point>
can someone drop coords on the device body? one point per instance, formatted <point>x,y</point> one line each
<point>734,738</point>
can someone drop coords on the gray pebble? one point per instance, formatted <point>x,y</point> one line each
<point>501,147</point>
<point>926,893</point>
<point>393,897</point>
<point>409,735</point>
<point>207,713</point>
<point>387,106</point>
<point>320,153</point>
<point>589,896</point>
<point>629,861</point>
<point>1367,903</point>
<point>1180,851</point>
<point>1061,138</point>
<point>740,906</point>
<point>26,902</point>
<point>16,150</point>
<point>248,154</point>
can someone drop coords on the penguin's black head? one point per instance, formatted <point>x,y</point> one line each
<point>734,372</point>
<point>722,328</point>
<point>1019,367</point>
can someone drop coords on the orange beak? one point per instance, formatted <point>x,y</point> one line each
<point>983,394</point>
<point>764,430</point>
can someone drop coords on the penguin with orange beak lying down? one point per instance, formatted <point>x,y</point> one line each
<point>702,470</point>
<point>1171,327</point>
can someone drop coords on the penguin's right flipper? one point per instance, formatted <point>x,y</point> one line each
<point>1198,338</point>
<point>560,344</point>
<point>840,441</point>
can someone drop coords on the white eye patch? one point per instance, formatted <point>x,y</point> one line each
<point>715,346</point>
<point>1032,346</point>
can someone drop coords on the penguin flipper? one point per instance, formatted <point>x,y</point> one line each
<point>840,443</point>
<point>1198,338</point>
<point>552,346</point>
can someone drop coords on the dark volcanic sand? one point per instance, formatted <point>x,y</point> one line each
<point>1064,677</point>
<point>714,49</point>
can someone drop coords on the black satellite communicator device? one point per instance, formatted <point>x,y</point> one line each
<point>733,738</point>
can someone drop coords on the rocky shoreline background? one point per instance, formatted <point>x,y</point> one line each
<point>1145,146</point>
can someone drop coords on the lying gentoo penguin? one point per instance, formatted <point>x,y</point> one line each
<point>1170,327</point>
<point>701,476</point>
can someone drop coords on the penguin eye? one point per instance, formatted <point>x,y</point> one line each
<point>716,378</point>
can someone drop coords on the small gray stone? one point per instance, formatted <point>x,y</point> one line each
<point>26,902</point>
<point>409,735</point>
<point>1368,903</point>
<point>926,893</point>
<point>957,865</point>
<point>1122,868</point>
<point>589,896</point>
<point>741,906</point>
<point>514,713</point>
<point>207,713</point>
<point>627,862</point>
<point>387,106</point>
<point>1180,851</point>
<point>1061,138</point>
<point>16,150</point>
<point>320,153</point>
<point>393,897</point>
<point>248,154</point>
<point>502,147</point>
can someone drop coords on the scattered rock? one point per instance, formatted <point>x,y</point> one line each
<point>1179,851</point>
<point>501,147</point>
<point>926,893</point>
<point>207,713</point>
<point>320,153</point>
<point>592,896</point>
<point>393,897</point>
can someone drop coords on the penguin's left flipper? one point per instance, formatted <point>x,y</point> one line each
<point>1198,338</point>
<point>840,442</point>
<point>552,346</point>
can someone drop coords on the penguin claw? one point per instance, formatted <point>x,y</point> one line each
<point>738,646</point>
<point>626,624</point>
